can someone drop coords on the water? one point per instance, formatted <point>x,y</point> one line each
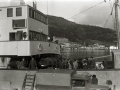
<point>83,53</point>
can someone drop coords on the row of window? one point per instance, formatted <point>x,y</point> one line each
<point>37,15</point>
<point>34,36</point>
<point>37,36</point>
<point>10,12</point>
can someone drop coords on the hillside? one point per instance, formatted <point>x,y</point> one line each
<point>80,33</point>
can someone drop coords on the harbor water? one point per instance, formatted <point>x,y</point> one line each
<point>83,53</point>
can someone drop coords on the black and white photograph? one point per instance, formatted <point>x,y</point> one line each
<point>59,44</point>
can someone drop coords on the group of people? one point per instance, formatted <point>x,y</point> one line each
<point>102,65</point>
<point>22,64</point>
<point>85,63</point>
<point>93,79</point>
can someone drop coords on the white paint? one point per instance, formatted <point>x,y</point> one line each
<point>6,22</point>
<point>27,48</point>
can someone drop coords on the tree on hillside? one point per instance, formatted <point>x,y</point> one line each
<point>60,27</point>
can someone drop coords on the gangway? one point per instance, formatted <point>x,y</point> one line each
<point>29,81</point>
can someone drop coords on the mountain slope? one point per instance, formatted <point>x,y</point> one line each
<point>80,33</point>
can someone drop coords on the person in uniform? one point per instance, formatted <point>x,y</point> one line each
<point>32,64</point>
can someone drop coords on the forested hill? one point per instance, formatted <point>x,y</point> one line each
<point>80,33</point>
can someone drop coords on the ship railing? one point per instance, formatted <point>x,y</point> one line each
<point>108,59</point>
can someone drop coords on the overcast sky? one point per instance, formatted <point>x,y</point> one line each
<point>68,8</point>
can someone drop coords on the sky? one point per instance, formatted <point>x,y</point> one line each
<point>96,16</point>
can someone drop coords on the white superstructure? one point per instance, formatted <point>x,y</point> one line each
<point>24,32</point>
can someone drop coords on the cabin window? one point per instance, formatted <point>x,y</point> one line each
<point>43,19</point>
<point>30,37</point>
<point>15,36</point>
<point>39,17</point>
<point>10,12</point>
<point>18,35</point>
<point>12,36</point>
<point>18,11</point>
<point>20,23</point>
<point>34,14</point>
<point>31,13</point>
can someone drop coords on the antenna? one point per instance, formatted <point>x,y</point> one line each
<point>47,7</point>
<point>47,13</point>
<point>34,4</point>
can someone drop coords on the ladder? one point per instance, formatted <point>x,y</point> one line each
<point>29,81</point>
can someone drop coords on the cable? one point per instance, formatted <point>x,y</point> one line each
<point>107,20</point>
<point>112,7</point>
<point>109,17</point>
<point>87,9</point>
<point>110,3</point>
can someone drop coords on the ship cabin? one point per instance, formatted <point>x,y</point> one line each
<point>24,32</point>
<point>22,22</point>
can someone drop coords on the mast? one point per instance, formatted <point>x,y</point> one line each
<point>117,23</point>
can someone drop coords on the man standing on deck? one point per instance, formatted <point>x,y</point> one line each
<point>32,64</point>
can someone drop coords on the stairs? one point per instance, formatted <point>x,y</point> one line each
<point>28,83</point>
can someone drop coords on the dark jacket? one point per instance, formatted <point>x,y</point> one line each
<point>32,64</point>
<point>94,80</point>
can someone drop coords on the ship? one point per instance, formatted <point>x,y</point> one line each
<point>24,33</point>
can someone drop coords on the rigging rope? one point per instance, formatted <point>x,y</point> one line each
<point>109,17</point>
<point>87,9</point>
<point>107,20</point>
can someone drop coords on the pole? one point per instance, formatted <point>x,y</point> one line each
<point>117,23</point>
<point>47,11</point>
<point>47,19</point>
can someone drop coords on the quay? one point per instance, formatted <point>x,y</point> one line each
<point>51,79</point>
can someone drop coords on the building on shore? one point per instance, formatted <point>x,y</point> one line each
<point>60,40</point>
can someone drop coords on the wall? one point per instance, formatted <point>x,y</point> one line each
<point>46,47</point>
<point>10,79</point>
<point>20,48</point>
